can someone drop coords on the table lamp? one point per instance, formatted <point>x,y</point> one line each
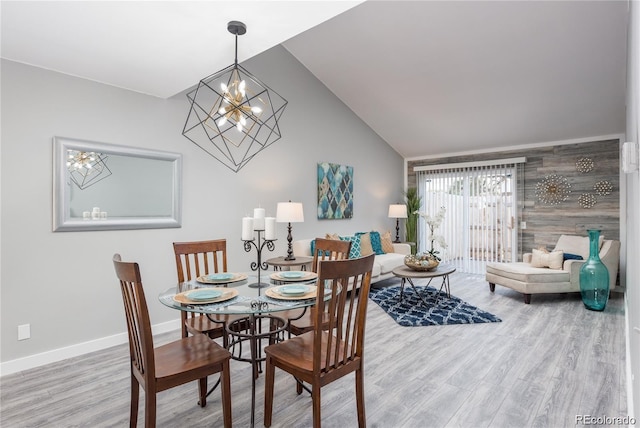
<point>397,211</point>
<point>289,212</point>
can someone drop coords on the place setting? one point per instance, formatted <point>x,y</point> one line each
<point>292,292</point>
<point>204,296</point>
<point>221,278</point>
<point>293,276</point>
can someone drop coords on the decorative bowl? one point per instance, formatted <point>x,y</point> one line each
<point>421,262</point>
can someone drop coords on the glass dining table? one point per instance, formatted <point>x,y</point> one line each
<point>239,294</point>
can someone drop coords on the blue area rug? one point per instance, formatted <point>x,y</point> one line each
<point>412,312</point>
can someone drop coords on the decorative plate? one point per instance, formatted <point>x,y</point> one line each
<point>287,277</point>
<point>293,290</point>
<point>292,274</point>
<point>225,294</point>
<point>211,278</point>
<point>204,294</point>
<point>275,293</point>
<point>220,276</point>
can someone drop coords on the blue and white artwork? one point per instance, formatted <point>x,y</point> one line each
<point>335,191</point>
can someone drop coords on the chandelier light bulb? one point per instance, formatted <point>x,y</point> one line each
<point>222,121</point>
<point>256,110</point>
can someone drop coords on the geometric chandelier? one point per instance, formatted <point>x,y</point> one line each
<point>87,168</point>
<point>233,115</point>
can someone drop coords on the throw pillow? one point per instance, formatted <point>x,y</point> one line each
<point>355,245</point>
<point>387,245</point>
<point>376,242</point>
<point>333,236</point>
<point>576,244</point>
<point>365,244</point>
<point>552,260</point>
<point>569,256</point>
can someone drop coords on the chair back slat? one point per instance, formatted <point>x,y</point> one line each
<point>197,258</point>
<point>194,259</point>
<point>137,316</point>
<point>329,249</point>
<point>345,312</point>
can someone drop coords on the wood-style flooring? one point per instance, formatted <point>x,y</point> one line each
<point>543,365</point>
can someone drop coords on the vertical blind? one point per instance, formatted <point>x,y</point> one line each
<point>481,208</point>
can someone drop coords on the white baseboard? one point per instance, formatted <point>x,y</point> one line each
<point>60,354</point>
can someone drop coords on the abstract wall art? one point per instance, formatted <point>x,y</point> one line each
<point>335,191</point>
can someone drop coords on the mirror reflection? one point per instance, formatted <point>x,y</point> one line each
<point>101,186</point>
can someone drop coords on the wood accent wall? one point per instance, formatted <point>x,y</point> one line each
<point>546,223</point>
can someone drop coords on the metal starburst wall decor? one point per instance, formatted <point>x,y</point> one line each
<point>553,189</point>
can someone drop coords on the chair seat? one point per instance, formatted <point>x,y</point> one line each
<point>181,358</point>
<point>524,272</point>
<point>298,352</point>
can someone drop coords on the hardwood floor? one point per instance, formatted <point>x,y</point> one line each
<point>541,366</point>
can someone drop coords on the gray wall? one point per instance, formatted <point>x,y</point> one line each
<point>63,284</point>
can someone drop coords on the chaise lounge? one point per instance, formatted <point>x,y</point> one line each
<point>533,275</point>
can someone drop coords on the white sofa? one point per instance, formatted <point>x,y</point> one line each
<point>528,280</point>
<point>383,264</point>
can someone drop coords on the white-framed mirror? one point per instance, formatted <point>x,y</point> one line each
<point>100,186</point>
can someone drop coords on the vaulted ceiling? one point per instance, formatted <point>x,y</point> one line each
<point>430,77</point>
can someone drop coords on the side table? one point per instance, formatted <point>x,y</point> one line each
<point>407,274</point>
<point>279,262</point>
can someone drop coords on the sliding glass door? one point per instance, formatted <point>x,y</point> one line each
<point>480,213</point>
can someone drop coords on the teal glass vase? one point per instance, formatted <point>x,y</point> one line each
<point>594,276</point>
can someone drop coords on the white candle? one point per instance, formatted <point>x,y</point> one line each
<point>86,215</point>
<point>103,215</point>
<point>95,215</point>
<point>258,218</point>
<point>247,228</point>
<point>270,228</point>
<point>96,210</point>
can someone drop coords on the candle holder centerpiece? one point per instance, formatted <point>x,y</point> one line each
<point>259,224</point>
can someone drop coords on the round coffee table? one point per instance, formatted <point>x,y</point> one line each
<point>407,274</point>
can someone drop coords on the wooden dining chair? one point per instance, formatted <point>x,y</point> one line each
<point>324,249</point>
<point>167,366</point>
<point>331,351</point>
<point>194,259</point>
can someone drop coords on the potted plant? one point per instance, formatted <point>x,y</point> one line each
<point>413,202</point>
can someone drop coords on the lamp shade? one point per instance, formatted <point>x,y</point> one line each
<point>397,211</point>
<point>289,212</point>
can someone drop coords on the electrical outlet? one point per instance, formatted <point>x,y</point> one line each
<point>24,331</point>
<point>523,225</point>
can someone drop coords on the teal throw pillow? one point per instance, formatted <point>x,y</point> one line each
<point>376,242</point>
<point>355,245</point>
